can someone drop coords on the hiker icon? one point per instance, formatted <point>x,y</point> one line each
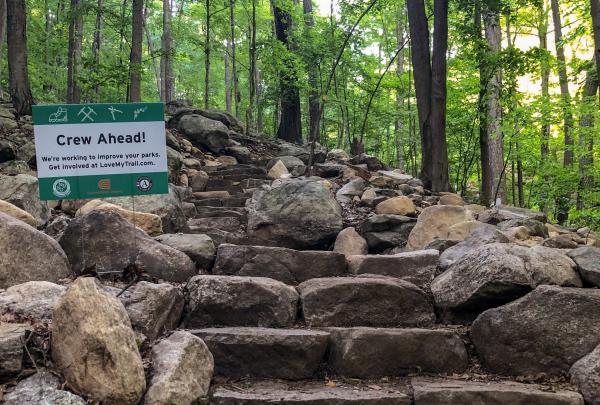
<point>59,116</point>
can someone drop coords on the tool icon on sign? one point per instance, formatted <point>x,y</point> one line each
<point>59,116</point>
<point>87,114</point>
<point>113,110</point>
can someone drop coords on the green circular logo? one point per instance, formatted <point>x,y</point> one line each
<point>61,188</point>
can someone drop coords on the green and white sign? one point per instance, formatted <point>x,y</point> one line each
<point>100,150</point>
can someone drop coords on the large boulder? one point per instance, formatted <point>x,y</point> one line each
<point>41,388</point>
<point>354,188</point>
<point>481,236</point>
<point>167,206</point>
<point>286,265</point>
<point>28,255</point>
<point>434,222</point>
<point>506,212</point>
<point>31,300</point>
<point>205,132</point>
<point>94,346</point>
<point>22,190</point>
<point>587,259</point>
<point>199,247</point>
<point>239,301</point>
<point>183,368</point>
<point>585,375</point>
<point>396,206</point>
<point>153,308</point>
<point>545,331</point>
<point>364,301</point>
<point>150,223</point>
<point>17,213</point>
<point>299,214</point>
<point>105,241</point>
<point>499,273</point>
<point>12,342</point>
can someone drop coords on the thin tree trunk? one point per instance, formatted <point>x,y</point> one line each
<point>156,67</point>
<point>595,11</point>
<point>207,55</point>
<point>563,201</point>
<point>167,79</point>
<point>3,39</point>
<point>252,77</point>
<point>545,77</point>
<point>20,91</point>
<point>493,180</point>
<point>290,127</point>
<point>47,27</point>
<point>313,93</point>
<point>135,59</point>
<point>398,124</point>
<point>227,77</point>
<point>586,140</point>
<point>74,55</point>
<point>97,43</point>
<point>234,77</point>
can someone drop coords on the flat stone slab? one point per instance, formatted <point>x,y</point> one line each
<point>372,352</point>
<point>364,301</point>
<point>239,301</point>
<point>313,393</point>
<point>453,392</point>
<point>290,354</point>
<point>286,265</point>
<point>417,267</point>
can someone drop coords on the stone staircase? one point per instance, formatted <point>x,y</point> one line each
<point>313,327</point>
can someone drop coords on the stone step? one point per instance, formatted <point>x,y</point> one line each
<point>215,183</point>
<point>237,238</point>
<point>230,189</point>
<point>456,392</point>
<point>239,301</point>
<point>208,202</point>
<point>310,392</point>
<point>364,301</point>
<point>206,195</point>
<point>290,354</point>
<point>254,183</point>
<point>239,167</point>
<point>417,267</point>
<point>287,265</point>
<point>236,201</point>
<point>379,352</point>
<point>239,177</point>
<point>204,225</point>
<point>213,212</point>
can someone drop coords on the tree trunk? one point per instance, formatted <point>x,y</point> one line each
<point>135,59</point>
<point>2,39</point>
<point>290,126</point>
<point>157,68</point>
<point>493,179</point>
<point>586,140</point>
<point>167,80</point>
<point>227,77</point>
<point>595,10</point>
<point>545,77</point>
<point>252,72</point>
<point>234,77</point>
<point>430,87</point>
<point>97,43</point>
<point>20,91</point>
<point>207,55</point>
<point>74,55</point>
<point>398,124</point>
<point>563,201</point>
<point>313,93</point>
<point>47,27</point>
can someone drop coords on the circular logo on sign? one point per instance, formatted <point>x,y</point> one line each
<point>61,188</point>
<point>144,184</point>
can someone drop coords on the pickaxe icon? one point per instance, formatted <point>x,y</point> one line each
<point>87,113</point>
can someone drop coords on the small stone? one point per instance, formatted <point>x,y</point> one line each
<point>12,342</point>
<point>451,199</point>
<point>349,242</point>
<point>16,212</point>
<point>41,388</point>
<point>278,171</point>
<point>396,206</point>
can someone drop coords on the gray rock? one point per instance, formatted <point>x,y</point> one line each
<point>27,254</point>
<point>434,223</point>
<point>364,301</point>
<point>41,388</point>
<point>545,331</point>
<point>287,265</point>
<point>370,352</point>
<point>290,354</point>
<point>499,273</point>
<point>12,342</point>
<point>354,188</point>
<point>585,375</point>
<point>199,181</point>
<point>350,243</point>
<point>416,267</point>
<point>309,393</point>
<point>560,242</point>
<point>300,214</point>
<point>205,132</point>
<point>200,248</point>
<point>587,259</point>
<point>182,369</point>
<point>105,241</point>
<point>386,231</point>
<point>174,163</point>
<point>34,299</point>
<point>239,301</point>
<point>480,237</point>
<point>534,227</point>
<point>441,245</point>
<point>505,212</point>
<point>153,308</point>
<point>22,191</point>
<point>456,392</point>
<point>295,166</point>
<point>167,206</point>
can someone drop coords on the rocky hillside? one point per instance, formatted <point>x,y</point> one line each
<point>254,281</point>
